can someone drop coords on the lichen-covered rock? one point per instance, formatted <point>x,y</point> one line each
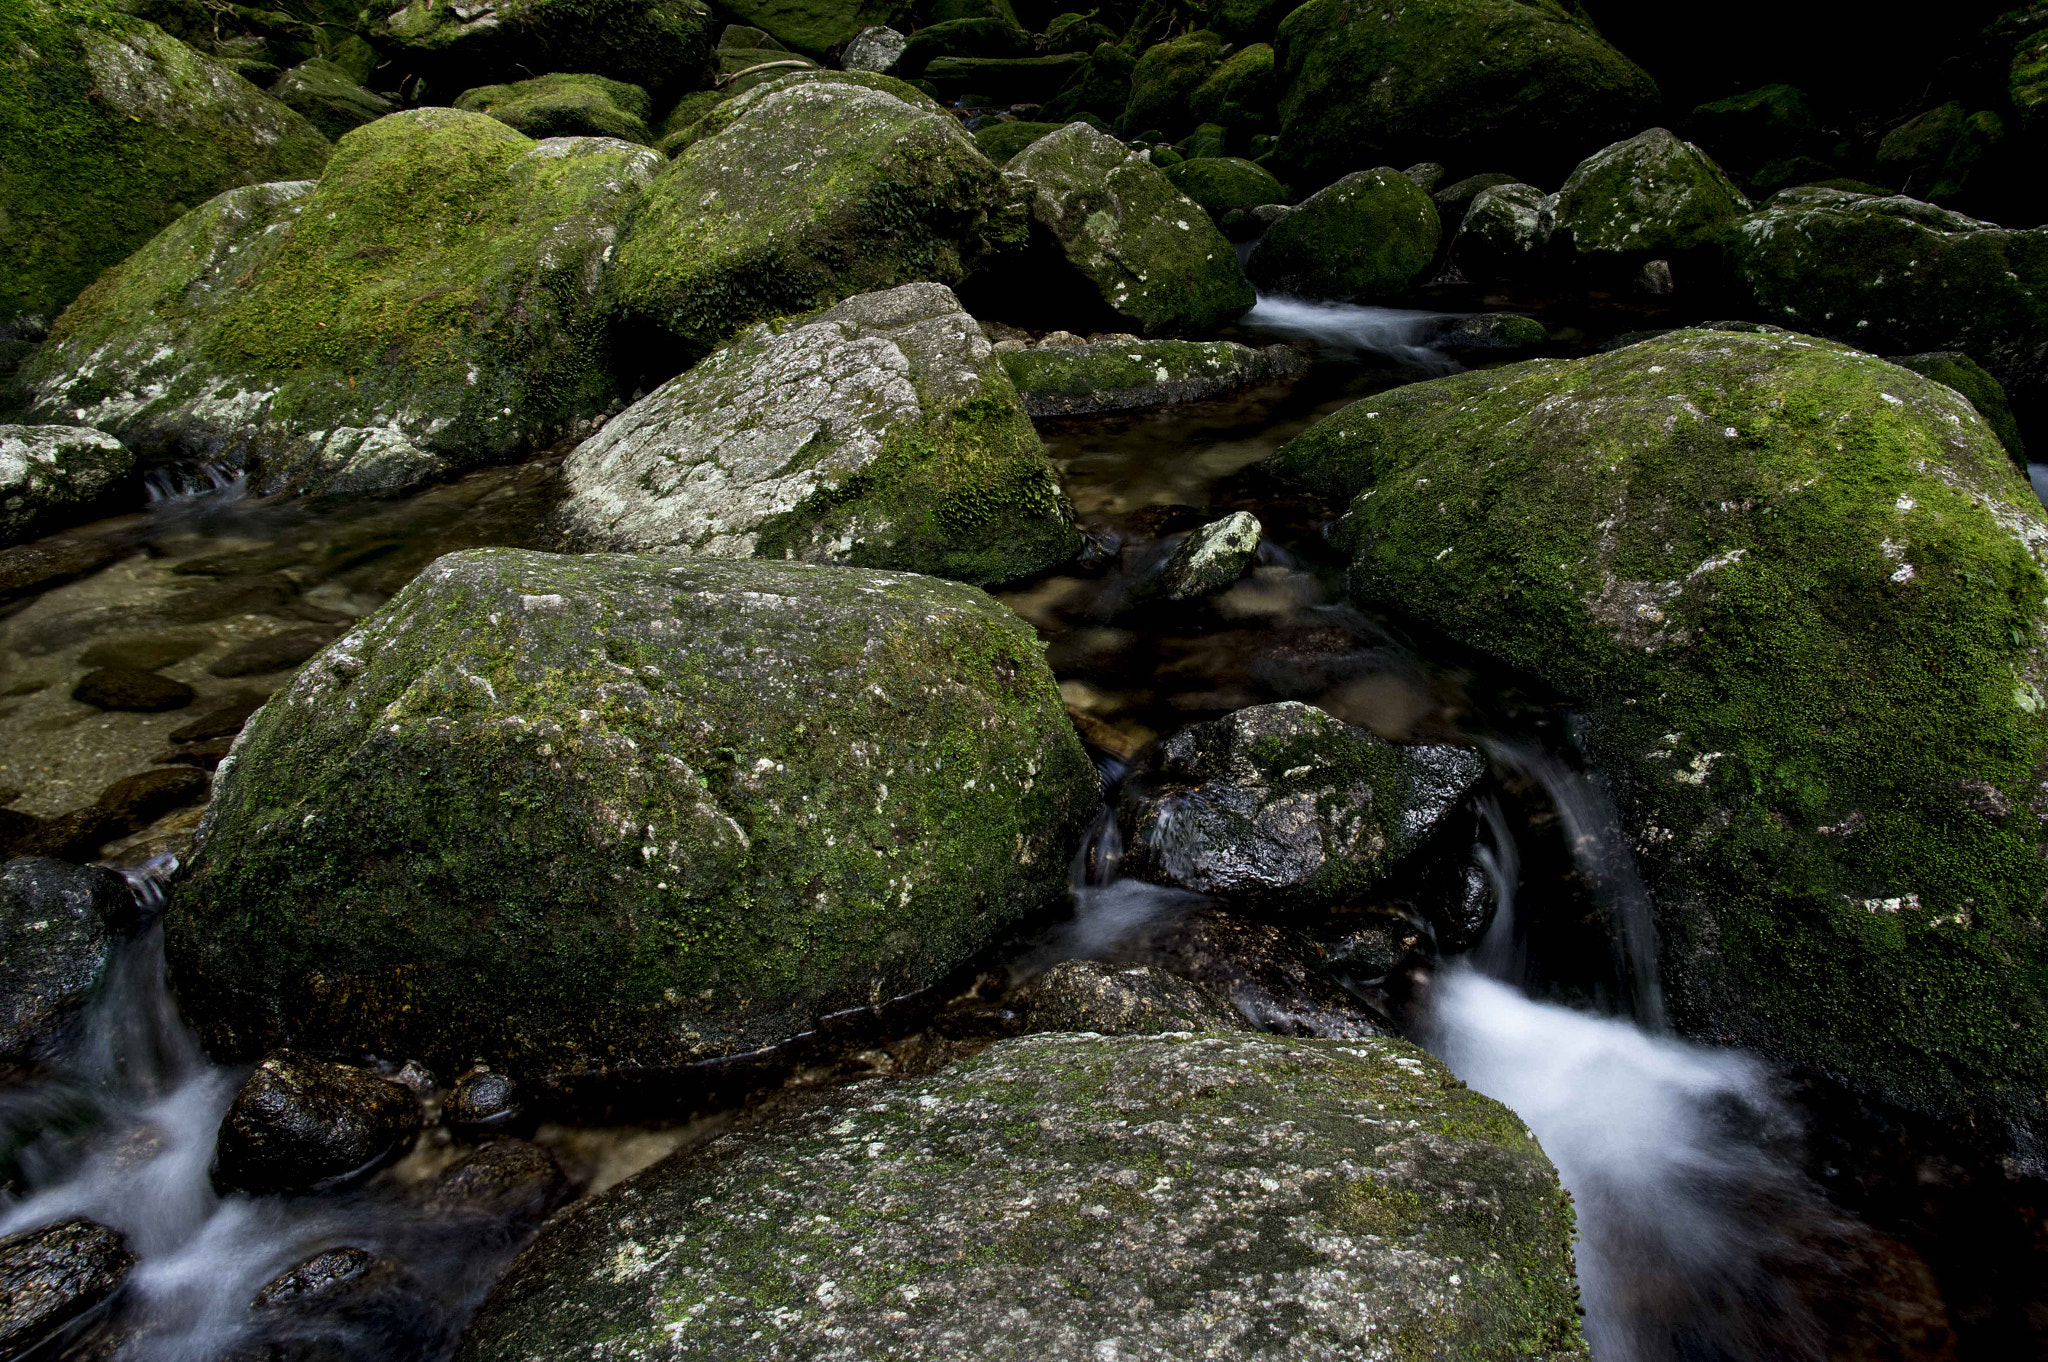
<point>1211,557</point>
<point>1129,374</point>
<point>1651,196</point>
<point>53,474</point>
<point>797,194</point>
<point>577,811</point>
<point>1530,87</point>
<point>1223,183</point>
<point>57,924</point>
<point>563,105</point>
<point>1150,252</point>
<point>664,46</point>
<point>816,28</point>
<point>328,97</point>
<point>299,1125</point>
<point>1240,94</point>
<point>52,1275</point>
<point>876,49</point>
<point>1896,275</point>
<point>430,306</point>
<point>1504,233</point>
<point>1371,234</point>
<point>109,129</point>
<point>1086,995</point>
<point>1284,802</point>
<point>1968,377</point>
<point>1798,595</point>
<point>1165,76</point>
<point>879,433</point>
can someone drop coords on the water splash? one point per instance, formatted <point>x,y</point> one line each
<point>1399,334</point>
<point>178,486</point>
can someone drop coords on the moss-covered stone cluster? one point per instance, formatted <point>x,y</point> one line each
<point>1798,594</point>
<point>1187,1196</point>
<point>664,46</point>
<point>565,105</point>
<point>571,812</point>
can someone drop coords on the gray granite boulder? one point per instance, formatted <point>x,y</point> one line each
<point>51,474</point>
<point>1503,233</point>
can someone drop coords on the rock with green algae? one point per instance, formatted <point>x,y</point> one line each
<point>1151,253</point>
<point>615,810</point>
<point>1372,234</point>
<point>109,130</point>
<point>1652,196</point>
<point>1223,183</point>
<point>1215,1196</point>
<point>1895,275</point>
<point>663,46</point>
<point>1526,86</point>
<point>329,97</point>
<point>565,105</point>
<point>879,433</point>
<point>1000,141</point>
<point>1240,94</point>
<point>429,306</point>
<point>1124,373</point>
<point>816,28</point>
<point>1967,377</point>
<point>1504,234</point>
<point>1797,594</point>
<point>1165,76</point>
<point>795,195</point>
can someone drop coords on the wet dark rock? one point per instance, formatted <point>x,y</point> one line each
<point>130,688</point>
<point>1219,1196</point>
<point>1286,804</point>
<point>1453,199</point>
<point>1493,334</point>
<point>74,836</point>
<point>273,652</point>
<point>57,924</point>
<point>516,1179</point>
<point>324,1271</point>
<point>260,595</point>
<point>50,1277</point>
<point>1503,235</point>
<point>144,652</point>
<point>480,1099</point>
<point>207,755</point>
<point>1276,978</point>
<point>1087,995</point>
<point>134,802</point>
<point>344,1304</point>
<point>29,568</point>
<point>223,722</point>
<point>299,1124</point>
<point>1370,946</point>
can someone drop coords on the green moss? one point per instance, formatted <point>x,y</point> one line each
<point>1100,86</point>
<point>1222,183</point>
<point>1241,94</point>
<point>1000,141</point>
<point>663,46</point>
<point>1967,377</point>
<point>561,105</point>
<point>1163,79</point>
<point>329,97</point>
<point>1796,591</point>
<point>109,130</point>
<point>1371,234</point>
<point>1652,195</point>
<point>816,28</point>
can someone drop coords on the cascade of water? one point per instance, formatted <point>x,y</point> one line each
<point>1398,334</point>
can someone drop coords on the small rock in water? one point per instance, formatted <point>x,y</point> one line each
<point>132,803</point>
<point>1492,333</point>
<point>29,568</point>
<point>1276,978</point>
<point>273,652</point>
<point>299,1125</point>
<point>1373,946</point>
<point>51,1276</point>
<point>324,1271</point>
<point>57,924</point>
<point>146,652</point>
<point>513,1178</point>
<point>132,689</point>
<point>1208,560</point>
<point>343,1303</point>
<point>1086,995</point>
<point>224,722</point>
<point>480,1099</point>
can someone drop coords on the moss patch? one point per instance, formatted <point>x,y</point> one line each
<point>565,106</point>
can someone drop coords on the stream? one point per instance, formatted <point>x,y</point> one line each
<point>1726,1210</point>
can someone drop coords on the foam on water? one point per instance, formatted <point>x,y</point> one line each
<point>1398,334</point>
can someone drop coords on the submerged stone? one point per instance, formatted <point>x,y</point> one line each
<point>578,812</point>
<point>878,433</point>
<point>1180,1196</point>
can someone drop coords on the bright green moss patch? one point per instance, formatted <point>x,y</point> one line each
<point>1222,183</point>
<point>565,106</point>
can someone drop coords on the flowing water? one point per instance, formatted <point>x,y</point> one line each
<point>1705,1234</point>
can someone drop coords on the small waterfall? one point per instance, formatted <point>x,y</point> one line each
<point>178,485</point>
<point>1399,334</point>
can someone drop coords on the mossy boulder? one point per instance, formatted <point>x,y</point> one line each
<point>1797,594</point>
<point>816,28</point>
<point>1526,86</point>
<point>1652,196</point>
<point>984,81</point>
<point>1163,79</point>
<point>1222,183</point>
<point>565,105</point>
<point>793,196</point>
<point>1749,130</point>
<point>430,305</point>
<point>1076,33</point>
<point>53,474</point>
<point>328,97</point>
<point>1505,234</point>
<point>664,46</point>
<point>1240,94</point>
<point>879,433</point>
<point>706,113</point>
<point>1129,374</point>
<point>1951,156</point>
<point>985,36</point>
<point>1895,275</point>
<point>1372,234</point>
<point>612,810</point>
<point>1000,141</point>
<point>1100,86</point>
<point>1150,253</point>
<point>1181,1195</point>
<point>109,130</point>
<point>1968,377</point>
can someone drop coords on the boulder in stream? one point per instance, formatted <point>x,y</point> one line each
<point>52,1276</point>
<point>53,474</point>
<point>1371,234</point>
<point>1798,595</point>
<point>880,433</point>
<point>299,1124</point>
<point>1079,1196</point>
<point>1208,559</point>
<point>1652,196</point>
<point>585,812</point>
<point>1125,373</point>
<point>58,923</point>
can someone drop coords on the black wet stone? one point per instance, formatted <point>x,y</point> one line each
<point>51,1276</point>
<point>28,568</point>
<point>481,1099</point>
<point>1275,977</point>
<point>516,1179</point>
<point>134,802</point>
<point>131,688</point>
<point>322,1272</point>
<point>300,1124</point>
<point>57,925</point>
<point>1086,995</point>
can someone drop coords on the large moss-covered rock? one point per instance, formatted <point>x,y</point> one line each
<point>799,193</point>
<point>1127,374</point>
<point>1163,79</point>
<point>1969,378</point>
<point>880,433</point>
<point>1152,254</point>
<point>816,27</point>
<point>329,97</point>
<point>109,130</point>
<point>1525,86</point>
<point>1653,195</point>
<point>1893,274</point>
<point>1798,594</point>
<point>565,105</point>
<point>1226,1197</point>
<point>609,810</point>
<point>1371,234</point>
<point>1223,183</point>
<point>661,45</point>
<point>1000,141</point>
<point>1240,94</point>
<point>431,305</point>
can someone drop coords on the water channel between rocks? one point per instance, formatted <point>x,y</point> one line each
<point>1726,1211</point>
